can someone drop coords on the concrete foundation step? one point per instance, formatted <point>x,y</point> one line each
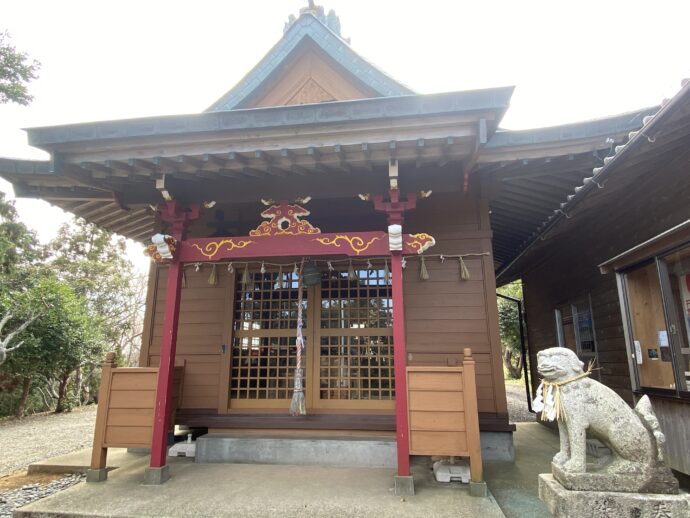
<point>354,452</point>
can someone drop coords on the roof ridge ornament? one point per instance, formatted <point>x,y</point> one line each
<point>330,20</point>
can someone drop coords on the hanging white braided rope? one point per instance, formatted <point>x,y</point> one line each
<point>297,405</point>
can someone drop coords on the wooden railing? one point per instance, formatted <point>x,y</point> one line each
<point>443,416</point>
<point>126,401</point>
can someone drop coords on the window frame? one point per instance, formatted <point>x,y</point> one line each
<point>670,321</point>
<point>560,333</point>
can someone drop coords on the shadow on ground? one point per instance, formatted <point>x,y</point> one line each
<point>515,485</point>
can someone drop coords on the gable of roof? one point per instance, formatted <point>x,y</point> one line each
<point>308,75</point>
<point>308,29</point>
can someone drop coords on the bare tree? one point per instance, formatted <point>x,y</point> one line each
<point>5,348</point>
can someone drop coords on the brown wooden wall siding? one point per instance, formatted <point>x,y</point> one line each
<point>434,431</point>
<point>566,267</point>
<point>444,314</point>
<point>202,330</point>
<point>543,292</point>
<point>130,408</point>
<point>126,403</point>
<point>674,418</point>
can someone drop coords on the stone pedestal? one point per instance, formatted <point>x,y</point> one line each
<point>156,476</point>
<point>655,479</point>
<point>478,489</point>
<point>564,503</point>
<point>97,475</point>
<point>404,485</point>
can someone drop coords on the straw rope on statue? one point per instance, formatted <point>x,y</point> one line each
<point>297,405</point>
<point>548,398</point>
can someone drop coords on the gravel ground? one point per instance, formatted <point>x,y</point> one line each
<point>517,403</point>
<point>11,500</point>
<point>36,438</point>
<point>39,437</point>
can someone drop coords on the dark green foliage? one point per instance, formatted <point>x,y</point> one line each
<point>93,262</point>
<point>87,299</point>
<point>63,339</point>
<point>509,325</point>
<point>16,71</point>
<point>18,245</point>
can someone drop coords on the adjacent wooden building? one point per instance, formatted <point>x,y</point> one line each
<point>607,273</point>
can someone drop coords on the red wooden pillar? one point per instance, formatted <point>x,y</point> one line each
<point>161,425</point>
<point>158,470</point>
<point>395,210</point>
<point>400,362</point>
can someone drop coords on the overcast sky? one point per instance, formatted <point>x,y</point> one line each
<point>119,59</point>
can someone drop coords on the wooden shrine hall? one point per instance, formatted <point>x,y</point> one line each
<point>321,202</point>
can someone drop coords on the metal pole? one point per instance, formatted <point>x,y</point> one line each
<point>523,347</point>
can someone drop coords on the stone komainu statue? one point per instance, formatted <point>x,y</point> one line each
<point>584,406</point>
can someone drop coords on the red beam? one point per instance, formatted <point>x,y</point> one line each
<point>350,244</point>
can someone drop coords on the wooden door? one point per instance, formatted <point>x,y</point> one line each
<point>263,352</point>
<point>348,357</point>
<point>352,344</point>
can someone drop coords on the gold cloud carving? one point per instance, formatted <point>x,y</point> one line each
<point>211,248</point>
<point>356,243</point>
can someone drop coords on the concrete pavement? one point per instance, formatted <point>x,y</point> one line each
<point>287,490</point>
<point>261,490</point>
<point>515,485</point>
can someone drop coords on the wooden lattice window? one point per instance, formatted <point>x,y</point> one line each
<point>356,342</point>
<point>263,349</point>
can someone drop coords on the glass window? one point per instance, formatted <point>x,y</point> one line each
<point>575,328</point>
<point>583,326</point>
<point>564,327</point>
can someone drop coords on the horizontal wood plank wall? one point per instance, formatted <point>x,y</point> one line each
<point>436,410</point>
<point>445,314</point>
<point>130,408</point>
<point>127,398</point>
<point>200,333</point>
<point>544,291</point>
<point>565,267</point>
<point>151,290</point>
<point>445,421</point>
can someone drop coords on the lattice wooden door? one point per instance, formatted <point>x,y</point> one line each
<point>348,338</point>
<point>263,348</point>
<point>353,341</point>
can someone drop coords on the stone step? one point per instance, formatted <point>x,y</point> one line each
<point>354,452</point>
